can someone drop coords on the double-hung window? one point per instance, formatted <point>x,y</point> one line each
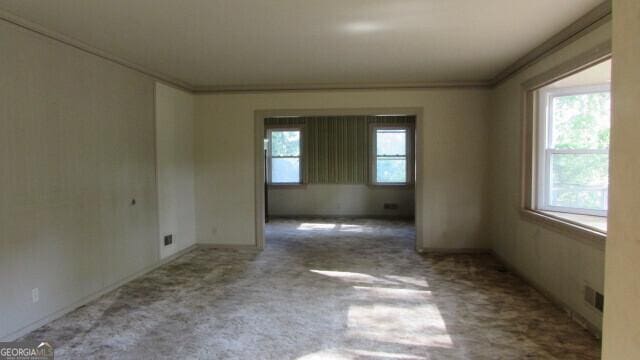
<point>566,126</point>
<point>284,156</point>
<point>573,157</point>
<point>391,153</point>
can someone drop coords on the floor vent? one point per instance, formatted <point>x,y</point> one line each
<point>594,298</point>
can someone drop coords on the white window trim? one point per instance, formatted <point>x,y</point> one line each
<point>270,157</point>
<point>373,155</point>
<point>544,154</point>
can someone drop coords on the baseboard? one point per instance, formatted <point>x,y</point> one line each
<point>83,301</point>
<point>574,315</point>
<point>454,251</point>
<point>228,246</point>
<point>333,217</point>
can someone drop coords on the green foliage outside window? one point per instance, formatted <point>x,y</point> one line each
<point>285,143</point>
<point>580,122</point>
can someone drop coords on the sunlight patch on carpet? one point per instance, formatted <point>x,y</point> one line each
<point>417,325</point>
<point>316,226</point>
<point>352,277</point>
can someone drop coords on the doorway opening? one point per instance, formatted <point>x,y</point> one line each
<point>338,173</point>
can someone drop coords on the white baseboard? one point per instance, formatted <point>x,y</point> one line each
<point>229,246</point>
<point>454,251</point>
<point>83,301</point>
<point>350,216</point>
<point>574,315</point>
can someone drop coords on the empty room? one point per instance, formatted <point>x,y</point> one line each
<point>320,179</point>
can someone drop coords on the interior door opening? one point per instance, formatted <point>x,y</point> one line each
<point>338,175</point>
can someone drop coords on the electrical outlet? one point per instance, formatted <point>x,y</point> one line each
<point>214,230</point>
<point>168,239</point>
<point>35,295</point>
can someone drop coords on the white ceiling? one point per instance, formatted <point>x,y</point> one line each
<point>225,43</point>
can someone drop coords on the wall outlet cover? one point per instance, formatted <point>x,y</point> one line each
<point>168,239</point>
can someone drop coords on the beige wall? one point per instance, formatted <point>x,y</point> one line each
<point>622,277</point>
<point>341,200</point>
<point>558,264</point>
<point>76,146</point>
<point>174,150</point>
<point>454,133</point>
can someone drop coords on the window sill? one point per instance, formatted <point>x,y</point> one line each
<point>581,227</point>
<point>597,223</point>
<point>395,186</point>
<point>286,186</point>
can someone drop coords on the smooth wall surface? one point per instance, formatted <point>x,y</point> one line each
<point>76,147</point>
<point>341,200</point>
<point>175,168</point>
<point>622,277</point>
<point>558,264</point>
<point>454,155</point>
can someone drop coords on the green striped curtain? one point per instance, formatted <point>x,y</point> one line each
<point>336,148</point>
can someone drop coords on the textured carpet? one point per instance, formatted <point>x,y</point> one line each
<point>350,289</point>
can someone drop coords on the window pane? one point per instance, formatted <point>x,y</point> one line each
<point>581,121</point>
<point>285,143</point>
<point>579,181</point>
<point>391,142</point>
<point>285,170</point>
<point>391,170</point>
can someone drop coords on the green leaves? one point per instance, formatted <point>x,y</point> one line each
<point>579,134</point>
<point>581,121</point>
<point>285,143</point>
<point>579,180</point>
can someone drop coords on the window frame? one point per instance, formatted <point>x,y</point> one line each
<point>529,139</point>
<point>281,128</point>
<point>409,156</point>
<point>543,163</point>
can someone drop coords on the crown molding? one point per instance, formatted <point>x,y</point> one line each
<point>342,86</point>
<point>31,26</point>
<point>579,28</point>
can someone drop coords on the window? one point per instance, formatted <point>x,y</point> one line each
<point>284,155</point>
<point>391,160</point>
<point>573,162</point>
<point>566,147</point>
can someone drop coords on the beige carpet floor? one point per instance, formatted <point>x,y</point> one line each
<point>340,289</point>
